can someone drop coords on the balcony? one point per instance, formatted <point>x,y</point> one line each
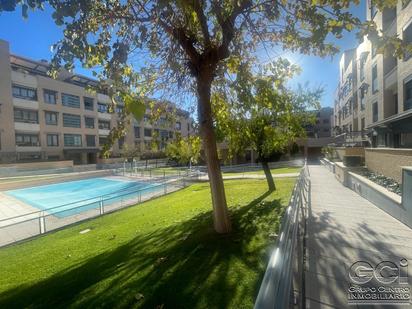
<point>391,78</point>
<point>26,127</point>
<point>17,102</point>
<point>104,132</point>
<point>104,116</point>
<point>28,148</point>
<point>103,98</point>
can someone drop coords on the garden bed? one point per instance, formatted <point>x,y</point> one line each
<point>382,180</point>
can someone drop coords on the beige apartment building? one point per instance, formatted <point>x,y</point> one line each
<point>57,119</point>
<point>373,104</point>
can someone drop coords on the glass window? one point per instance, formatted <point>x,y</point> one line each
<point>407,38</point>
<point>408,95</point>
<point>51,118</point>
<point>71,121</point>
<point>72,140</point>
<point>88,103</point>
<point>52,140</point>
<point>103,140</point>
<point>70,100</point>
<point>119,109</point>
<point>373,9</point>
<point>91,140</point>
<point>178,125</point>
<point>26,93</point>
<point>148,132</point>
<point>137,132</point>
<point>89,122</point>
<point>50,96</point>
<point>26,115</point>
<point>375,112</point>
<point>375,78</point>
<point>27,140</point>
<point>104,125</point>
<point>101,107</point>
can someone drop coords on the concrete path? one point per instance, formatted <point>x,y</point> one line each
<point>344,228</point>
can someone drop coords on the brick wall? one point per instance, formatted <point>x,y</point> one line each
<point>388,161</point>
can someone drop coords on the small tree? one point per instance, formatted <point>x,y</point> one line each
<point>184,150</point>
<point>262,113</point>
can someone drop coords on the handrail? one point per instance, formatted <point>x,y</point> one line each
<point>275,289</point>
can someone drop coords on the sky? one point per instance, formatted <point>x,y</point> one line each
<point>33,37</point>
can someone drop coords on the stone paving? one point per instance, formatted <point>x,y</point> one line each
<point>344,228</point>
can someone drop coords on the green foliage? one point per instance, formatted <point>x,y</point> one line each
<point>260,112</point>
<point>184,150</point>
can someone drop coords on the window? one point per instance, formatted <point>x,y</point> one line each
<point>178,125</point>
<point>362,67</point>
<point>91,140</point>
<point>408,95</point>
<point>72,140</point>
<point>374,78</point>
<point>49,96</point>
<point>71,121</point>
<point>101,107</point>
<point>147,132</point>
<point>146,118</point>
<point>89,122</point>
<point>137,132</point>
<point>121,142</point>
<point>407,38</point>
<point>362,91</point>
<point>25,93</point>
<point>27,140</point>
<point>375,112</point>
<point>119,109</point>
<point>104,125</point>
<point>362,125</point>
<point>51,118</point>
<point>325,121</point>
<point>69,100</point>
<point>52,140</point>
<point>102,140</point>
<point>88,103</point>
<point>374,50</point>
<point>26,116</point>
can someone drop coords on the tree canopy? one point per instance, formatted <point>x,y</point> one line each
<point>260,112</point>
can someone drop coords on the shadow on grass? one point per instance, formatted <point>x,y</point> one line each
<point>183,266</point>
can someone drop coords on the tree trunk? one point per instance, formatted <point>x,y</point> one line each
<point>220,211</point>
<point>268,174</point>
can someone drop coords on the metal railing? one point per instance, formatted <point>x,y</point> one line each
<point>278,284</point>
<point>24,226</point>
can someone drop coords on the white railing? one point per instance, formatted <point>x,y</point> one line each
<point>276,286</point>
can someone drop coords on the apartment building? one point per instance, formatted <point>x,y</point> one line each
<point>323,124</point>
<point>374,96</point>
<point>58,119</point>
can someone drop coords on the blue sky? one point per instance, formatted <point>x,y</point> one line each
<point>33,37</point>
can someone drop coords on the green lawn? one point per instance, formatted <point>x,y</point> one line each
<point>279,170</point>
<point>163,252</point>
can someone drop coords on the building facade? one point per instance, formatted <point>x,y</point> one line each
<point>373,103</point>
<point>58,119</point>
<point>323,124</point>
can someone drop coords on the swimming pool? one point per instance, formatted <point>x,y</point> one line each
<point>73,197</point>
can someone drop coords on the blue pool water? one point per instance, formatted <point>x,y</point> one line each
<point>72,197</point>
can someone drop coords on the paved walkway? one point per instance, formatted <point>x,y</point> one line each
<point>344,228</point>
<point>252,176</point>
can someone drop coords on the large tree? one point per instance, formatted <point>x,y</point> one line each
<point>259,111</point>
<point>191,43</point>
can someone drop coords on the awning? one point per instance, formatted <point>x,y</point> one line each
<point>402,121</point>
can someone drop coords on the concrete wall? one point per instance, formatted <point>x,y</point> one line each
<point>349,151</point>
<point>379,196</point>
<point>388,161</point>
